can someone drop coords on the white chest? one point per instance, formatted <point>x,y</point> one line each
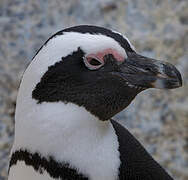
<point>87,144</point>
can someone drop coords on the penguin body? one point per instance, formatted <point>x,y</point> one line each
<point>78,80</point>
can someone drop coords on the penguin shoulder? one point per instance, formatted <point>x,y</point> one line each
<point>136,162</point>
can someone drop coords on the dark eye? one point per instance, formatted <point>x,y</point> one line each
<point>94,62</point>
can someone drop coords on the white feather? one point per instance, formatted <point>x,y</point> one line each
<point>23,172</point>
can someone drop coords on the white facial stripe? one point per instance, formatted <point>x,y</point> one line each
<point>63,45</point>
<point>89,43</point>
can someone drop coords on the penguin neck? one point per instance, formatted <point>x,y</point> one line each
<point>46,127</point>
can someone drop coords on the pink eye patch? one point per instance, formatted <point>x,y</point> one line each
<point>100,55</point>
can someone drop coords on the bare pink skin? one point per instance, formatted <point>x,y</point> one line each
<point>100,55</point>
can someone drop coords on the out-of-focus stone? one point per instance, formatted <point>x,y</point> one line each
<point>159,119</point>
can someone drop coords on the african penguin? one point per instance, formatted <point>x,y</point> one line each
<point>78,80</point>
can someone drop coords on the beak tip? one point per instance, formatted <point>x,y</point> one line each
<point>177,76</point>
<point>168,83</point>
<point>169,79</point>
<point>180,79</point>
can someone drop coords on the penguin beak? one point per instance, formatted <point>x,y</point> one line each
<point>144,72</point>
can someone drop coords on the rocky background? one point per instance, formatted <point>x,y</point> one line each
<point>157,28</point>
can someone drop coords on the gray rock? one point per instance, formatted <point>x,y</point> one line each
<point>159,119</point>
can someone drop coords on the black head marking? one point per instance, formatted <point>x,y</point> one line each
<point>108,89</point>
<point>100,92</point>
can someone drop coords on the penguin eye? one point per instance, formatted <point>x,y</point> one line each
<point>92,62</point>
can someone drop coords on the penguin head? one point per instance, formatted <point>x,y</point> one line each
<point>95,68</point>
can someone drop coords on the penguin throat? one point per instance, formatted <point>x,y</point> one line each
<point>44,126</point>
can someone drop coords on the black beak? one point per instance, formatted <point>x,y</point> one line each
<point>140,71</point>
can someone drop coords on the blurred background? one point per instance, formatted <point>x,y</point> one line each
<point>157,28</point>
